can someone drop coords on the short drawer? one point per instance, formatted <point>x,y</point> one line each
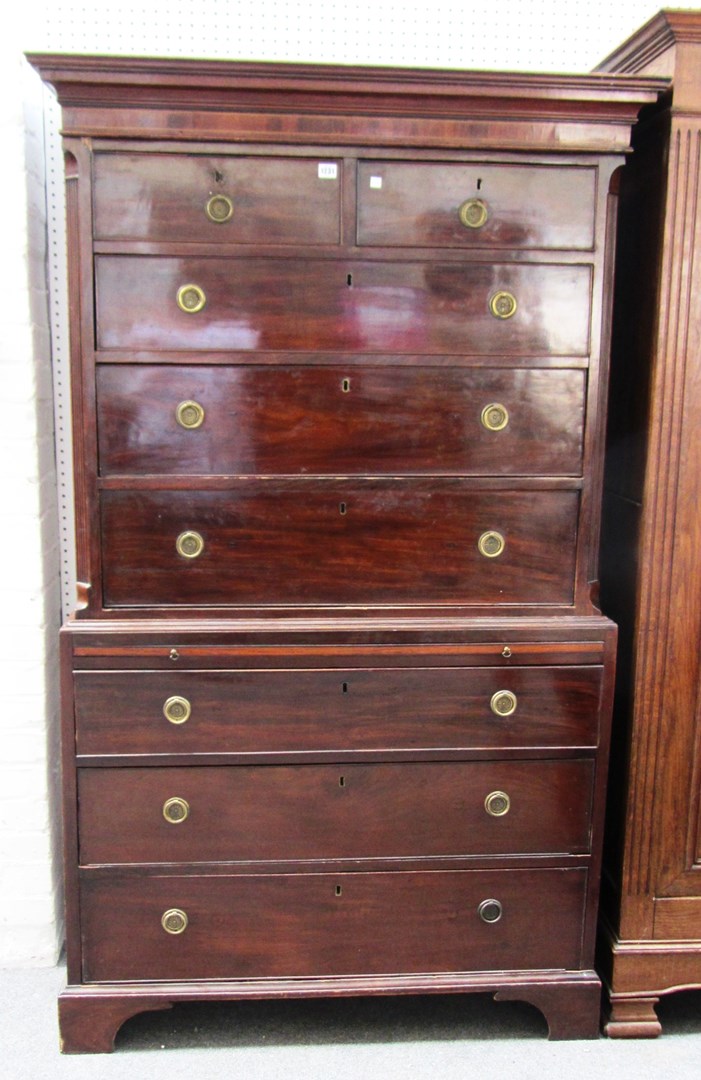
<point>432,204</point>
<point>222,199</point>
<point>432,308</point>
<point>314,812</point>
<point>277,542</point>
<point>258,925</point>
<point>280,711</point>
<point>393,420</point>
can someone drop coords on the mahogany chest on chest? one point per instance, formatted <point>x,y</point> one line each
<point>336,701</point>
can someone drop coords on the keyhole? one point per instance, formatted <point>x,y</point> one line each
<point>218,176</point>
<point>344,688</point>
<point>479,184</point>
<point>341,781</point>
<point>339,890</point>
<point>349,281</point>
<point>345,386</point>
<point>342,508</point>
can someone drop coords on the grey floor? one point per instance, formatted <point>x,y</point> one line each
<point>437,1038</point>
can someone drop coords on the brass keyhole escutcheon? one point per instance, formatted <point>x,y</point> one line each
<point>177,710</point>
<point>174,921</point>
<point>494,417</point>
<point>189,544</point>
<point>490,911</point>
<point>497,804</point>
<point>503,703</point>
<point>189,414</point>
<point>191,299</point>
<point>491,544</point>
<point>473,213</point>
<point>219,209</point>
<point>176,810</point>
<point>503,305</point>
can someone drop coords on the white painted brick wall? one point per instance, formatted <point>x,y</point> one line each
<point>30,902</point>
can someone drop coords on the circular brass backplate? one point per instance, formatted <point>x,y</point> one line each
<point>189,545</point>
<point>491,544</point>
<point>177,710</point>
<point>174,921</point>
<point>494,416</point>
<point>189,414</point>
<point>497,803</point>
<point>473,214</point>
<point>219,208</point>
<point>503,703</point>
<point>490,911</point>
<point>191,299</point>
<point>176,810</point>
<point>503,305</point>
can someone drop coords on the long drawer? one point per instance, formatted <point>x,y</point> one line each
<point>339,542</point>
<point>216,199</point>
<point>313,304</point>
<point>432,204</point>
<point>259,925</point>
<point>311,812</point>
<point>336,710</point>
<point>380,420</point>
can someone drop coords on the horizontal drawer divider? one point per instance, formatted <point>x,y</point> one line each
<point>427,864</point>
<point>159,482</point>
<point>329,757</point>
<point>339,252</point>
<point>322,358</point>
<point>531,861</point>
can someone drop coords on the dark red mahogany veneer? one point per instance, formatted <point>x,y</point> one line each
<point>336,701</point>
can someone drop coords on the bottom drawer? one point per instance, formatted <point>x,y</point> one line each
<point>274,925</point>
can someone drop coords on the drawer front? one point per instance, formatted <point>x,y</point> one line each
<point>277,304</point>
<point>412,204</point>
<point>244,200</point>
<point>380,709</point>
<point>376,542</point>
<point>310,812</point>
<point>253,926</point>
<point>392,420</point>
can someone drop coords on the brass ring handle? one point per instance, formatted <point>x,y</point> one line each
<point>219,208</point>
<point>497,804</point>
<point>189,414</point>
<point>494,416</point>
<point>503,305</point>
<point>174,921</point>
<point>177,710</point>
<point>176,810</point>
<point>503,703</point>
<point>491,544</point>
<point>490,911</point>
<point>191,299</point>
<point>473,213</point>
<point>189,544</point>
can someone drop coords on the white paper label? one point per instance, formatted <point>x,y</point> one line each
<point>375,181</point>
<point>328,170</point>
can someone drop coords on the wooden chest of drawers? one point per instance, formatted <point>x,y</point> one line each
<point>336,700</point>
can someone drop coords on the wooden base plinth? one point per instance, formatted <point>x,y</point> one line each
<point>90,1016</point>
<point>633,1018</point>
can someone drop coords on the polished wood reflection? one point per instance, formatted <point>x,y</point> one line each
<point>347,304</point>
<point>296,419</point>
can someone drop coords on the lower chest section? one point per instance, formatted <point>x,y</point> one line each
<point>363,807</point>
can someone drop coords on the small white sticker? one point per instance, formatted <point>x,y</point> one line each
<point>375,181</point>
<point>328,170</point>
